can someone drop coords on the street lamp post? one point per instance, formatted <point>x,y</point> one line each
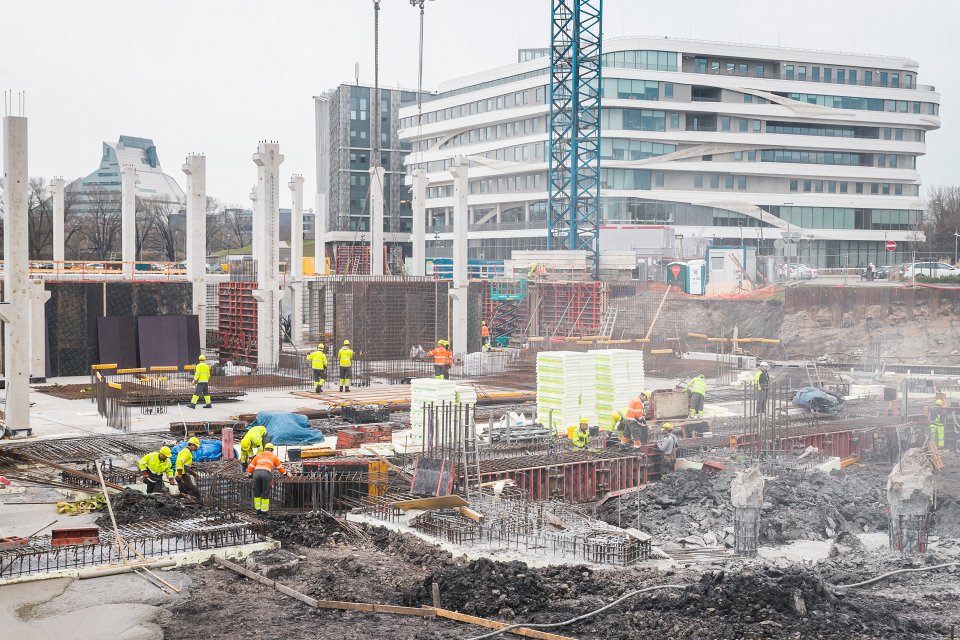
<point>956,236</point>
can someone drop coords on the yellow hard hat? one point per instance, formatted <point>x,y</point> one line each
<point>667,426</point>
<point>939,402</point>
<point>645,394</point>
<point>584,420</point>
<point>483,322</point>
<point>202,357</point>
<point>165,451</point>
<point>346,342</point>
<point>194,441</point>
<point>615,415</point>
<point>319,347</point>
<point>270,446</point>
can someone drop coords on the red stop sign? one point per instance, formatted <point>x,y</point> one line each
<point>891,245</point>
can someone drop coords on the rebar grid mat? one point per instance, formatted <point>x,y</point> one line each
<point>85,448</point>
<point>158,538</point>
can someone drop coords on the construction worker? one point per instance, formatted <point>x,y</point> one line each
<point>185,475</point>
<point>936,431</point>
<point>581,435</point>
<point>697,388</point>
<point>345,359</point>
<point>439,355</point>
<point>318,362</point>
<point>252,443</point>
<point>636,420</point>
<point>261,470</point>
<point>668,448</point>
<point>201,377</point>
<point>484,336</point>
<point>448,360</point>
<point>761,381</point>
<point>154,466</point>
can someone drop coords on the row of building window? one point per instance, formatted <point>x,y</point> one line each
<point>651,60</point>
<point>500,131</point>
<point>713,179</point>
<point>847,218</point>
<point>815,157</point>
<point>864,104</point>
<point>793,71</point>
<point>621,149</point>
<point>511,100</point>
<point>833,186</point>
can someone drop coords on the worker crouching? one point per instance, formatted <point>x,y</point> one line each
<point>252,443</point>
<point>154,466</point>
<point>185,474</point>
<point>581,435</point>
<point>261,470</point>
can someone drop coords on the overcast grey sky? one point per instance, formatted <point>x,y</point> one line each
<point>216,76</point>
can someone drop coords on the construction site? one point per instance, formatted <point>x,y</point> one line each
<point>399,436</point>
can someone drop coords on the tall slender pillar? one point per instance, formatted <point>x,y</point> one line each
<point>57,190</point>
<point>419,222</point>
<point>320,235</point>
<point>460,281</point>
<point>196,169</point>
<point>128,219</point>
<point>376,220</point>
<point>266,224</point>
<point>296,257</point>
<point>16,277</point>
<point>320,222</point>
<point>38,334</point>
<point>253,227</point>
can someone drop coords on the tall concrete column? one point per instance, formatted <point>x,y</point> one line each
<point>461,223</point>
<point>57,190</point>
<point>128,219</point>
<point>320,235</point>
<point>266,224</point>
<point>38,334</point>
<point>296,257</point>
<point>16,277</point>
<point>419,235</point>
<point>376,220</point>
<point>196,169</point>
<point>253,227</point>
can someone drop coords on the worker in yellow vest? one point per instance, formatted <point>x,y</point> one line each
<point>185,475</point>
<point>345,359</point>
<point>201,377</point>
<point>318,362</point>
<point>154,466</point>
<point>581,435</point>
<point>697,388</point>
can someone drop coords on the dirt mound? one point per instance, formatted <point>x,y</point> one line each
<point>410,548</point>
<point>132,506</point>
<point>797,506</point>
<point>484,587</point>
<point>306,529</point>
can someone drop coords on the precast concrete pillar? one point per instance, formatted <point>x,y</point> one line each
<point>266,224</point>
<point>38,323</point>
<point>296,257</point>
<point>16,276</point>
<point>320,235</point>
<point>376,220</point>
<point>419,234</point>
<point>128,219</point>
<point>58,192</point>
<point>195,167</point>
<point>254,204</point>
<point>460,281</point>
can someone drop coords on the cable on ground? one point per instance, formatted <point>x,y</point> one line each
<point>893,573</point>
<point>553,625</point>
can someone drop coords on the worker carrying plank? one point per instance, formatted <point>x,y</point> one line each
<point>185,473</point>
<point>697,390</point>
<point>667,446</point>
<point>318,362</point>
<point>154,466</point>
<point>442,359</point>
<point>252,443</point>
<point>201,377</point>
<point>260,470</point>
<point>345,360</point>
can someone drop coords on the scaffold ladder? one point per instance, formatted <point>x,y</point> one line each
<point>609,322</point>
<point>813,373</point>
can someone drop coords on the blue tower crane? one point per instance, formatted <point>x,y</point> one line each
<point>573,204</point>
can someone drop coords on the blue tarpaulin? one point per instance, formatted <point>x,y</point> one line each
<point>816,400</point>
<point>285,428</point>
<point>208,450</point>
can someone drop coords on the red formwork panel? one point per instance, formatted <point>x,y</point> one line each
<point>237,321</point>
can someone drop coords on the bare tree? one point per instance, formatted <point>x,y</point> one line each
<point>942,219</point>
<point>99,226</point>
<point>216,225</point>
<point>39,219</point>
<point>164,235</point>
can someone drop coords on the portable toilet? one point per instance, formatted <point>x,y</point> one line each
<point>688,276</point>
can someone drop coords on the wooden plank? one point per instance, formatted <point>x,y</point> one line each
<point>440,502</point>
<point>287,591</point>
<point>467,512</point>
<point>404,611</point>
<point>493,624</point>
<point>351,606</point>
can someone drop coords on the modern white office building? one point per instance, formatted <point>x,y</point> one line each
<point>720,142</point>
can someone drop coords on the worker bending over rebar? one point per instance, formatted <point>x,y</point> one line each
<point>261,470</point>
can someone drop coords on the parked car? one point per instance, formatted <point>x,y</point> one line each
<point>930,269</point>
<point>883,273</point>
<point>801,272</point>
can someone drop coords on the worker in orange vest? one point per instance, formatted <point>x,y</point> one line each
<point>261,470</point>
<point>485,336</point>
<point>441,359</point>
<point>636,420</point>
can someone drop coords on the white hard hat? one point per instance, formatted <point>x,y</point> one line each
<point>764,364</point>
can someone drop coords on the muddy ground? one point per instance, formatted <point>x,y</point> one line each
<point>739,600</point>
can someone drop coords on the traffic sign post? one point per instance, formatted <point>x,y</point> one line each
<point>891,245</point>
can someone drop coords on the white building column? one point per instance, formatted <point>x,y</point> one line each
<point>320,235</point>
<point>38,334</point>
<point>253,227</point>
<point>461,221</point>
<point>128,219</point>
<point>57,190</point>
<point>196,169</point>
<point>295,279</point>
<point>376,220</point>
<point>16,278</point>
<point>419,235</point>
<point>266,224</point>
